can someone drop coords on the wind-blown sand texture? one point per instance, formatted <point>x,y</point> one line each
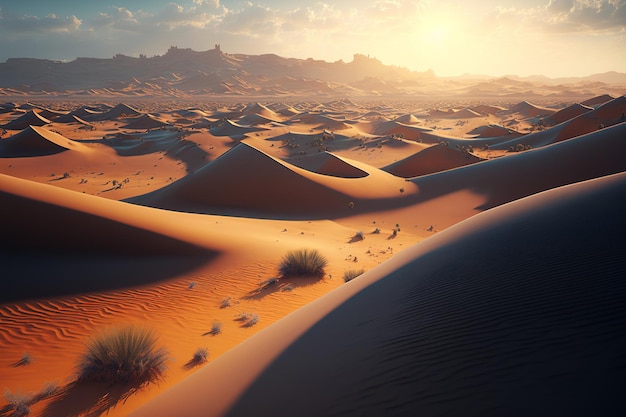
<point>489,233</point>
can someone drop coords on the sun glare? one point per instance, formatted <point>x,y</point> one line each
<point>435,29</point>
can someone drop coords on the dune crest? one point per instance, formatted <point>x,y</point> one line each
<point>38,141</point>
<point>519,312</point>
<point>430,160</point>
<point>30,118</point>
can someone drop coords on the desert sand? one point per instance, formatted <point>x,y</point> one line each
<point>489,233</point>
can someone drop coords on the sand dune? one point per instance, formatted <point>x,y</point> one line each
<point>287,111</point>
<point>63,232</point>
<point>607,114</point>
<point>596,101</point>
<point>395,128</point>
<point>323,122</point>
<point>525,318</point>
<point>256,119</point>
<point>430,160</point>
<point>247,179</point>
<point>30,118</point>
<point>71,118</point>
<point>37,141</point>
<point>463,114</point>
<point>231,187</point>
<point>51,115</point>
<point>120,110</point>
<point>86,113</point>
<point>259,109</point>
<point>248,182</point>
<point>527,109</point>
<point>567,113</point>
<point>492,131</point>
<point>487,109</point>
<point>506,179</point>
<point>329,164</point>
<point>146,121</point>
<point>407,119</point>
<point>234,130</point>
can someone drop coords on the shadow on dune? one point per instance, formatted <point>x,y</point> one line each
<point>274,285</point>
<point>87,399</point>
<point>525,318</point>
<point>51,250</point>
<point>36,275</point>
<point>173,144</point>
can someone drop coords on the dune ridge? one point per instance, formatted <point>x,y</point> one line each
<point>537,170</point>
<point>526,318</point>
<point>100,232</point>
<point>38,141</point>
<point>430,160</point>
<point>30,118</point>
<point>251,181</point>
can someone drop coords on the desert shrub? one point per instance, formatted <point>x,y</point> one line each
<point>19,403</point>
<point>247,319</point>
<point>200,355</point>
<point>26,359</point>
<point>252,320</point>
<point>216,328</point>
<point>123,355</point>
<point>225,302</point>
<point>303,262</point>
<point>350,274</point>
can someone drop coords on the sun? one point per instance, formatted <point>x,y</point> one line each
<point>435,28</point>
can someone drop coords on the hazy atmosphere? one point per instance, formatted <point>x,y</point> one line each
<point>494,37</point>
<point>288,208</point>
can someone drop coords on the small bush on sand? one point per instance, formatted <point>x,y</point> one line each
<point>123,355</point>
<point>200,355</point>
<point>225,302</point>
<point>247,319</point>
<point>351,274</point>
<point>303,262</point>
<point>26,359</point>
<point>216,328</point>
<point>19,403</point>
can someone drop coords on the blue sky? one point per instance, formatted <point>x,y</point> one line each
<point>495,37</point>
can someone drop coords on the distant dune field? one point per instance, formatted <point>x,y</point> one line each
<point>485,237</point>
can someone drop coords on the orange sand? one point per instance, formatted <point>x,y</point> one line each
<point>155,212</point>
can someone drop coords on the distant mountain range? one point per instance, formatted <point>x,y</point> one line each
<point>182,72</point>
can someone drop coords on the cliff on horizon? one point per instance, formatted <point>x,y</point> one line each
<point>214,72</point>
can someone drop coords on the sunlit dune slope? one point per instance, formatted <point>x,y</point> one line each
<point>517,311</point>
<point>248,181</point>
<point>503,180</point>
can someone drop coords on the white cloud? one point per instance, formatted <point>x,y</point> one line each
<point>563,16</point>
<point>214,3</point>
<point>33,24</point>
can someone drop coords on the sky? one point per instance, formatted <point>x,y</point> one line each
<point>556,38</point>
